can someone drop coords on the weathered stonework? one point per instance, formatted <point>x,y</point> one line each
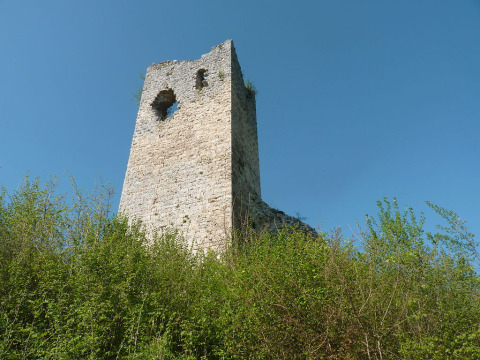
<point>196,168</point>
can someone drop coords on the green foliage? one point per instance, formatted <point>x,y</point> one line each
<point>78,283</point>
<point>456,236</point>
<point>138,95</point>
<point>250,86</point>
<point>430,295</point>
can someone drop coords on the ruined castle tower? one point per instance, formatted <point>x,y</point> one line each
<point>193,163</point>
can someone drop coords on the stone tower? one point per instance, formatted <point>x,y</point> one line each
<point>193,163</point>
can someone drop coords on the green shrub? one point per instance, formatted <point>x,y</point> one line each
<point>77,282</point>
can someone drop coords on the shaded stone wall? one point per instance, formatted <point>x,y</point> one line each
<point>245,163</point>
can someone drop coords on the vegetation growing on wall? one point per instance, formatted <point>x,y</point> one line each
<point>138,95</point>
<point>251,88</point>
<point>78,283</point>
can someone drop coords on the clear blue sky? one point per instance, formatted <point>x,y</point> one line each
<point>358,100</point>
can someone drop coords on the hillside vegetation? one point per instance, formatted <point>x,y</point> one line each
<point>78,283</point>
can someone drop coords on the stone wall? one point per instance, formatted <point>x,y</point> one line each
<point>194,167</point>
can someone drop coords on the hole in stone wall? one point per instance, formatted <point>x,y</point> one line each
<point>201,80</point>
<point>172,109</point>
<point>165,104</point>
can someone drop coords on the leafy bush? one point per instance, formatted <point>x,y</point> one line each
<point>76,282</point>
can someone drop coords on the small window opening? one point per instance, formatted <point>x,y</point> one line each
<point>165,104</point>
<point>201,80</point>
